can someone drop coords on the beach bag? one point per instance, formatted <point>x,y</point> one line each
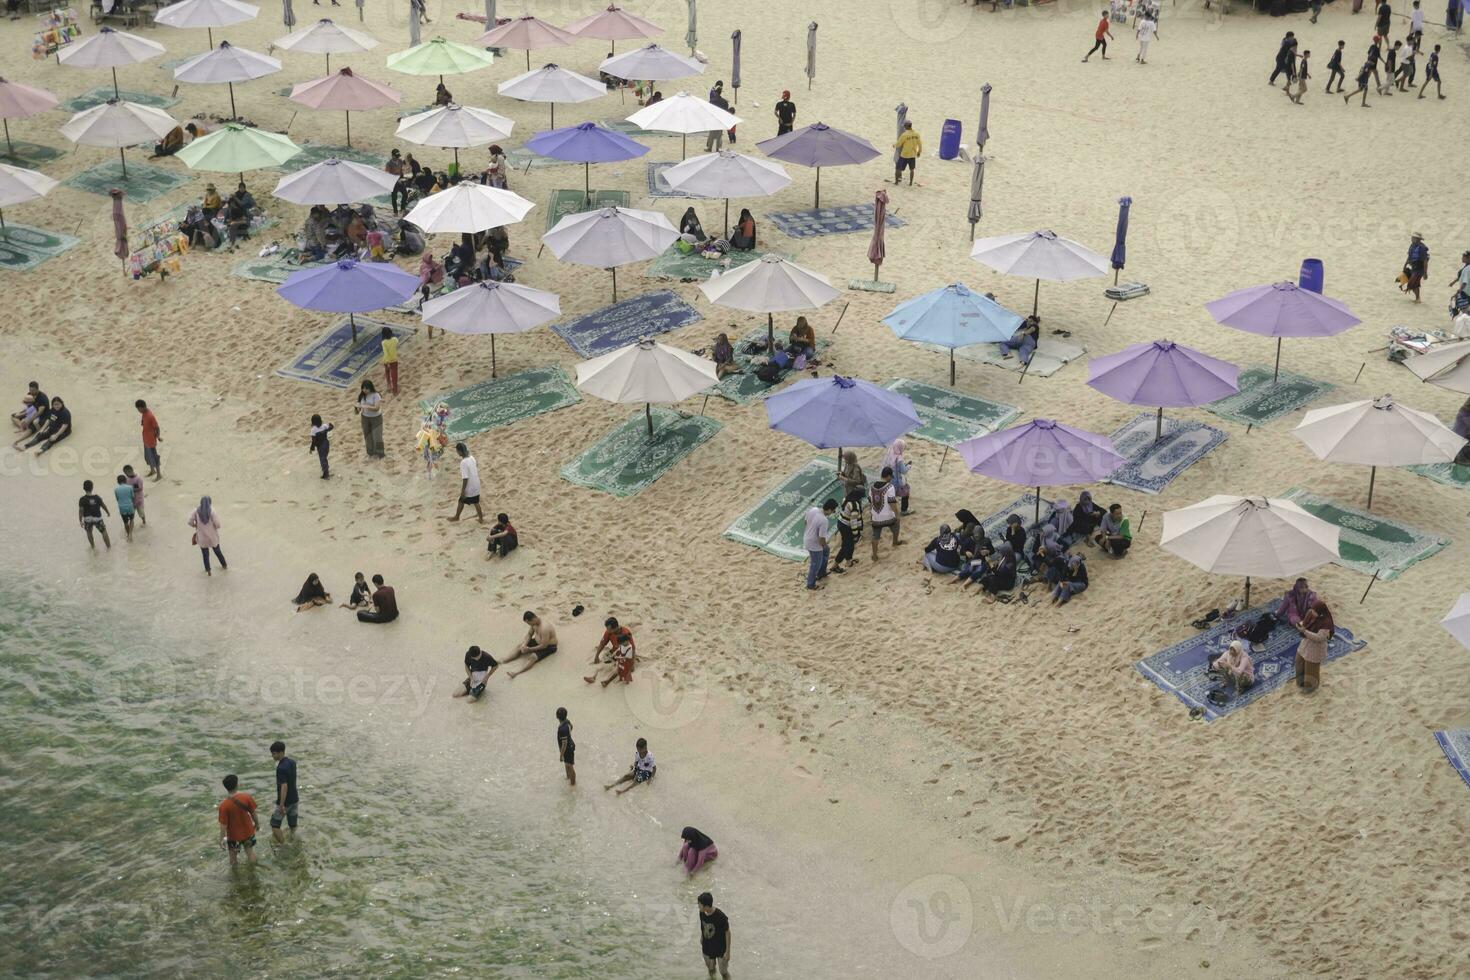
<point>769,372</point>
<point>1258,631</point>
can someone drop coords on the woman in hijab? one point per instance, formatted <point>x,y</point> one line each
<point>495,174</point>
<point>690,229</point>
<point>311,594</point>
<point>697,851</point>
<point>851,474</point>
<point>1073,580</point>
<point>461,260</point>
<point>205,523</point>
<point>1061,517</point>
<point>744,237</point>
<point>1002,574</point>
<point>1235,663</point>
<point>1316,630</point>
<point>723,354</point>
<point>1015,534</point>
<point>850,525</point>
<point>1298,601</point>
<point>942,555</point>
<point>1086,516</point>
<point>893,459</point>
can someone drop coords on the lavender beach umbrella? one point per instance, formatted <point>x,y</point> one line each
<point>587,143</point>
<point>818,146</point>
<point>1041,453</point>
<point>837,411</point>
<point>1282,309</point>
<point>1162,375</point>
<point>349,287</point>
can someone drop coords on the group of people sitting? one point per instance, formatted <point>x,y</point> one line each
<point>373,604</point>
<point>692,237</point>
<point>42,421</point>
<point>1300,609</point>
<point>797,353</point>
<point>417,180</point>
<point>216,220</point>
<point>179,137</point>
<point>347,232</point>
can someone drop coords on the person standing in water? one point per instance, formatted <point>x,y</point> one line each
<point>90,509</point>
<point>136,482</point>
<point>286,798</point>
<point>205,523</point>
<point>566,748</point>
<point>238,823</point>
<point>126,507</point>
<point>714,936</point>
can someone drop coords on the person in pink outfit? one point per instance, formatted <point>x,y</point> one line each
<point>205,523</point>
<point>1237,666</point>
<point>698,850</point>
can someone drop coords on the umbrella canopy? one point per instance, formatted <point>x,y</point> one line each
<point>1457,622</point>
<point>610,237</point>
<point>977,187</point>
<point>525,33</point>
<point>1446,366</point>
<point>118,124</point>
<point>346,92</point>
<point>553,84</point>
<point>769,285</point>
<point>684,114</point>
<point>1120,238</point>
<point>646,372</point>
<point>1282,309</point>
<point>235,148</point>
<point>653,63</point>
<point>614,24</point>
<point>1039,255</point>
<point>586,143</point>
<point>492,308</point>
<point>1375,433</point>
<point>457,126</point>
<point>691,33</point>
<point>727,174</point>
<point>109,49</point>
<point>335,182</point>
<point>226,65</point>
<point>349,286</point>
<point>811,54</point>
<point>952,316</point>
<point>1041,453</point>
<point>831,413</point>
<point>1257,537</point>
<point>877,248</point>
<point>437,56</point>
<point>818,145</point>
<point>19,101</point>
<point>207,14</point>
<point>982,132</point>
<point>1163,374</point>
<point>467,208</point>
<point>18,185</point>
<point>327,37</point>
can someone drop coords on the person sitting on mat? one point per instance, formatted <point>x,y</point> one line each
<point>802,340</point>
<point>1113,535</point>
<point>211,202</point>
<point>1086,516</point>
<point>1015,533</point>
<point>744,237</point>
<point>1072,582</point>
<point>1235,663</point>
<point>1002,574</point>
<point>1023,341</point>
<point>723,354</point>
<point>942,554</point>
<point>691,230</point>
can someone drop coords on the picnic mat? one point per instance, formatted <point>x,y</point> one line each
<point>676,265</point>
<point>1367,542</point>
<point>630,129</point>
<point>1051,355</point>
<point>521,159</point>
<point>1455,744</point>
<point>1025,507</point>
<point>26,154</point>
<point>142,184</point>
<point>102,93</point>
<point>776,524</point>
<point>334,360</point>
<point>1447,473</point>
<point>1153,464</point>
<point>24,247</point>
<point>844,220</point>
<point>625,322</point>
<point>1180,669</point>
<point>744,388</point>
<point>627,460</point>
<point>272,268</point>
<point>565,202</point>
<point>502,401</point>
<point>314,153</point>
<point>1259,401</point>
<point>658,187</point>
<point>951,417</point>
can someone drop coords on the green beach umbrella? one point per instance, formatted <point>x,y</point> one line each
<point>234,148</point>
<point>438,56</point>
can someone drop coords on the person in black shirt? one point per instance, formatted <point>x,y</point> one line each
<point>714,936</point>
<point>1431,74</point>
<point>1335,69</point>
<point>1285,55</point>
<point>286,797</point>
<point>362,596</point>
<point>1390,68</point>
<point>1375,53</point>
<point>56,427</point>
<point>785,113</point>
<point>1385,18</point>
<point>39,403</point>
<point>478,668</point>
<point>90,509</point>
<point>1364,73</point>
<point>565,747</point>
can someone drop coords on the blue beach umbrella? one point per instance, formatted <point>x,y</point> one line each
<point>349,287</point>
<point>838,411</point>
<point>1120,242</point>
<point>953,316</point>
<point>586,143</point>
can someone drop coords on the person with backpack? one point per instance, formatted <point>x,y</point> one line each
<point>883,508</point>
<point>238,822</point>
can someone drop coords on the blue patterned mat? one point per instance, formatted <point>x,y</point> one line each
<point>658,187</point>
<point>1455,744</point>
<point>625,322</point>
<point>334,360</point>
<point>1153,464</point>
<point>1180,669</point>
<point>846,220</point>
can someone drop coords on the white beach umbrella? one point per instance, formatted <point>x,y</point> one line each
<point>684,114</point>
<point>1445,366</point>
<point>609,237</point>
<point>467,208</point>
<point>552,84</point>
<point>1257,537</point>
<point>208,14</point>
<point>110,49</point>
<point>18,185</point>
<point>492,308</point>
<point>227,65</point>
<point>1457,622</point>
<point>646,372</point>
<point>727,174</point>
<point>769,285</point>
<point>652,63</point>
<point>117,124</point>
<point>1377,432</point>
<point>335,182</point>
<point>455,127</point>
<point>327,37</point>
<point>1039,255</point>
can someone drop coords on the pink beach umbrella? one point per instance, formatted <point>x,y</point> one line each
<point>525,33</point>
<point>19,101</point>
<point>342,90</point>
<point>877,251</point>
<point>614,24</point>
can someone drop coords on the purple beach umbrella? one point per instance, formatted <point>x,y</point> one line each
<point>349,287</point>
<point>1041,453</point>
<point>586,143</point>
<point>1282,309</point>
<point>818,145</point>
<point>1162,375</point>
<point>837,412</point>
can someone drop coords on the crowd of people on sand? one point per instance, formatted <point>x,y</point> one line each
<point>1398,59</point>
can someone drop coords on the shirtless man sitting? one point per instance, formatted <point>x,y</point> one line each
<point>539,644</point>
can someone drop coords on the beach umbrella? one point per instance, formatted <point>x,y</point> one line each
<point>811,54</point>
<point>491,308</point>
<point>335,182</point>
<point>327,38</point>
<point>727,174</point>
<point>877,250</point>
<point>836,412</point>
<point>118,124</point>
<point>982,132</point>
<point>455,126</point>
<point>345,91</point>
<point>586,143</point>
<point>653,63</point>
<point>683,114</point>
<point>1162,374</point>
<point>818,146</point>
<point>901,112</point>
<point>953,316</point>
<point>525,33</point>
<point>236,148</point>
<point>977,186</point>
<point>119,224</point>
<point>1377,432</point>
<point>110,49</point>
<point>19,101</point>
<point>207,14</point>
<point>552,84</point>
<point>437,56</point>
<point>1039,255</point>
<point>414,22</point>
<point>1041,453</point>
<point>467,208</point>
<point>18,185</point>
<point>1445,366</point>
<point>769,285</point>
<point>1257,537</point>
<point>227,64</point>
<point>735,68</point>
<point>614,24</point>
<point>609,237</point>
<point>1457,621</point>
<point>1282,309</point>
<point>288,15</point>
<point>646,372</point>
<point>1120,238</point>
<point>350,287</point>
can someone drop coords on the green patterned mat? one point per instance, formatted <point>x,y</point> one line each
<point>503,401</point>
<point>142,184</point>
<point>675,265</point>
<point>275,268</point>
<point>1447,473</point>
<point>100,94</point>
<point>744,388</point>
<point>1369,543</point>
<point>1260,401</point>
<point>314,153</point>
<point>564,202</point>
<point>23,247</point>
<point>29,155</point>
<point>776,523</point>
<point>949,416</point>
<point>627,460</point>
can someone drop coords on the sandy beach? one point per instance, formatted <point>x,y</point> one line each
<point>910,781</point>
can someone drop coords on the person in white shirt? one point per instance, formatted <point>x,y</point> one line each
<point>882,500</point>
<point>1147,30</point>
<point>469,483</point>
<point>1416,23</point>
<point>641,771</point>
<point>815,540</point>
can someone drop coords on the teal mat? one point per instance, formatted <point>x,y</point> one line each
<point>1368,542</point>
<point>314,153</point>
<point>744,388</point>
<point>521,158</point>
<point>275,268</point>
<point>676,265</point>
<point>503,401</point>
<point>29,155</point>
<point>627,460</point>
<point>1260,400</point>
<point>23,247</point>
<point>949,416</point>
<point>776,524</point>
<point>100,94</point>
<point>1447,473</point>
<point>565,202</point>
<point>142,184</point>
<point>631,129</point>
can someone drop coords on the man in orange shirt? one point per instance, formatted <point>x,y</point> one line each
<point>237,821</point>
<point>1100,38</point>
<point>152,436</point>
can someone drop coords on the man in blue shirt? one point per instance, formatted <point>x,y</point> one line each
<point>285,809</point>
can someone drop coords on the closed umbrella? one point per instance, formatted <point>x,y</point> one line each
<point>207,14</point>
<point>119,225</point>
<point>1041,453</point>
<point>811,54</point>
<point>877,250</point>
<point>523,34</point>
<point>455,126</point>
<point>683,114</point>
<point>1457,621</point>
<point>982,132</point>
<point>350,287</point>
<point>1163,374</point>
<point>614,24</point>
<point>1257,537</point>
<point>437,56</point>
<point>586,143</point>
<point>110,49</point>
<point>1039,255</point>
<point>652,63</point>
<point>414,23</point>
<point>977,186</point>
<point>769,285</point>
<point>610,237</point>
<point>552,84</point>
<point>727,174</point>
<point>953,316</point>
<point>1377,432</point>
<point>227,64</point>
<point>492,308</point>
<point>335,182</point>
<point>818,146</point>
<point>691,33</point>
<point>19,101</point>
<point>288,15</point>
<point>490,19</point>
<point>1445,366</point>
<point>646,372</point>
<point>735,67</point>
<point>18,185</point>
<point>1120,238</point>
<point>118,124</point>
<point>327,38</point>
<point>1282,309</point>
<point>836,412</point>
<point>467,208</point>
<point>345,91</point>
<point>901,112</point>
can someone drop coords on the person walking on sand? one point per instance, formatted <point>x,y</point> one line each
<point>715,139</point>
<point>566,748</point>
<point>136,482</point>
<point>1285,55</point>
<point>1416,265</point>
<point>1416,23</point>
<point>152,436</point>
<point>238,823</point>
<point>1375,55</point>
<point>286,797</point>
<point>469,483</point>
<point>1146,32</point>
<point>1302,75</point>
<point>90,509</point>
<point>714,936</point>
<point>540,643</point>
<point>1390,67</point>
<point>390,360</point>
<point>641,771</point>
<point>1100,38</point>
<point>1364,74</point>
<point>1335,70</point>
<point>1431,74</point>
<point>370,407</point>
<point>883,509</point>
<point>205,523</point>
<point>815,540</point>
<point>126,507</point>
<point>321,443</point>
<point>785,113</point>
<point>1384,19</point>
<point>909,146</point>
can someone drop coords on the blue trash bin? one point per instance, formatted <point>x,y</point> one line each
<point>1311,277</point>
<point>949,139</point>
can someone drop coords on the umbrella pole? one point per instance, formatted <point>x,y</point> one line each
<point>9,147</point>
<point>115,93</point>
<point>1370,585</point>
<point>1110,314</point>
<point>1038,505</point>
<point>492,355</point>
<point>1026,367</point>
<point>1372,475</point>
<point>2,219</point>
<point>123,157</point>
<point>770,334</point>
<point>349,128</point>
<point>943,457</point>
<point>233,113</point>
<point>329,64</point>
<point>684,146</point>
<point>648,414</point>
<point>1159,427</point>
<point>951,367</point>
<point>456,157</point>
<point>727,217</point>
<point>587,180</point>
<point>1277,373</point>
<point>1247,593</point>
<point>553,115</point>
<point>615,283</point>
<point>818,202</point>
<point>528,58</point>
<point>209,32</point>
<point>1036,298</point>
<point>352,320</point>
